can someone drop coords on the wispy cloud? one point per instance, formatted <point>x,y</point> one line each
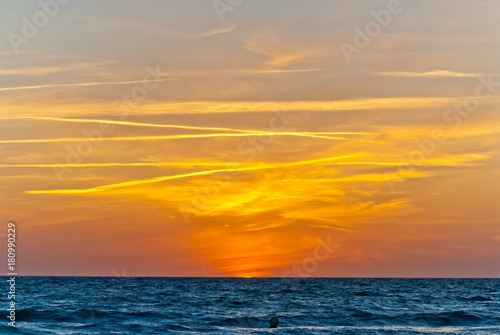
<point>225,28</point>
<point>450,161</point>
<point>431,74</point>
<point>279,53</point>
<point>174,164</point>
<point>81,84</point>
<point>175,137</point>
<point>209,107</point>
<point>156,125</point>
<point>186,175</point>
<point>235,132</point>
<point>278,71</point>
<point>41,70</point>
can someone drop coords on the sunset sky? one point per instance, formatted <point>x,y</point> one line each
<point>241,136</point>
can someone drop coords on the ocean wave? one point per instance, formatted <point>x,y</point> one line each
<point>32,315</point>
<point>242,321</point>
<point>234,306</point>
<point>456,318</point>
<point>439,319</point>
<point>366,294</point>
<point>477,298</point>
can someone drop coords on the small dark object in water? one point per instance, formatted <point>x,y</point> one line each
<point>274,322</point>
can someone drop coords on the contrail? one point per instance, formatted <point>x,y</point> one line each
<point>435,73</point>
<point>81,84</point>
<point>175,164</point>
<point>170,137</point>
<point>163,178</point>
<point>155,125</point>
<point>141,164</point>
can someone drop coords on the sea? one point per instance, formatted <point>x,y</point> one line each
<point>145,305</point>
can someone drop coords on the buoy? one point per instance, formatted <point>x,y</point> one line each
<point>274,322</point>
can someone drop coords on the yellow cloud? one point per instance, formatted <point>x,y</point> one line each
<point>41,70</point>
<point>431,74</point>
<point>205,107</point>
<point>279,54</point>
<point>167,137</point>
<point>155,125</point>
<point>200,173</point>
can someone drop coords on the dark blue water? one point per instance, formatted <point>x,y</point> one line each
<point>121,305</point>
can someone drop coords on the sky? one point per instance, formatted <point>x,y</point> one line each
<point>251,138</point>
